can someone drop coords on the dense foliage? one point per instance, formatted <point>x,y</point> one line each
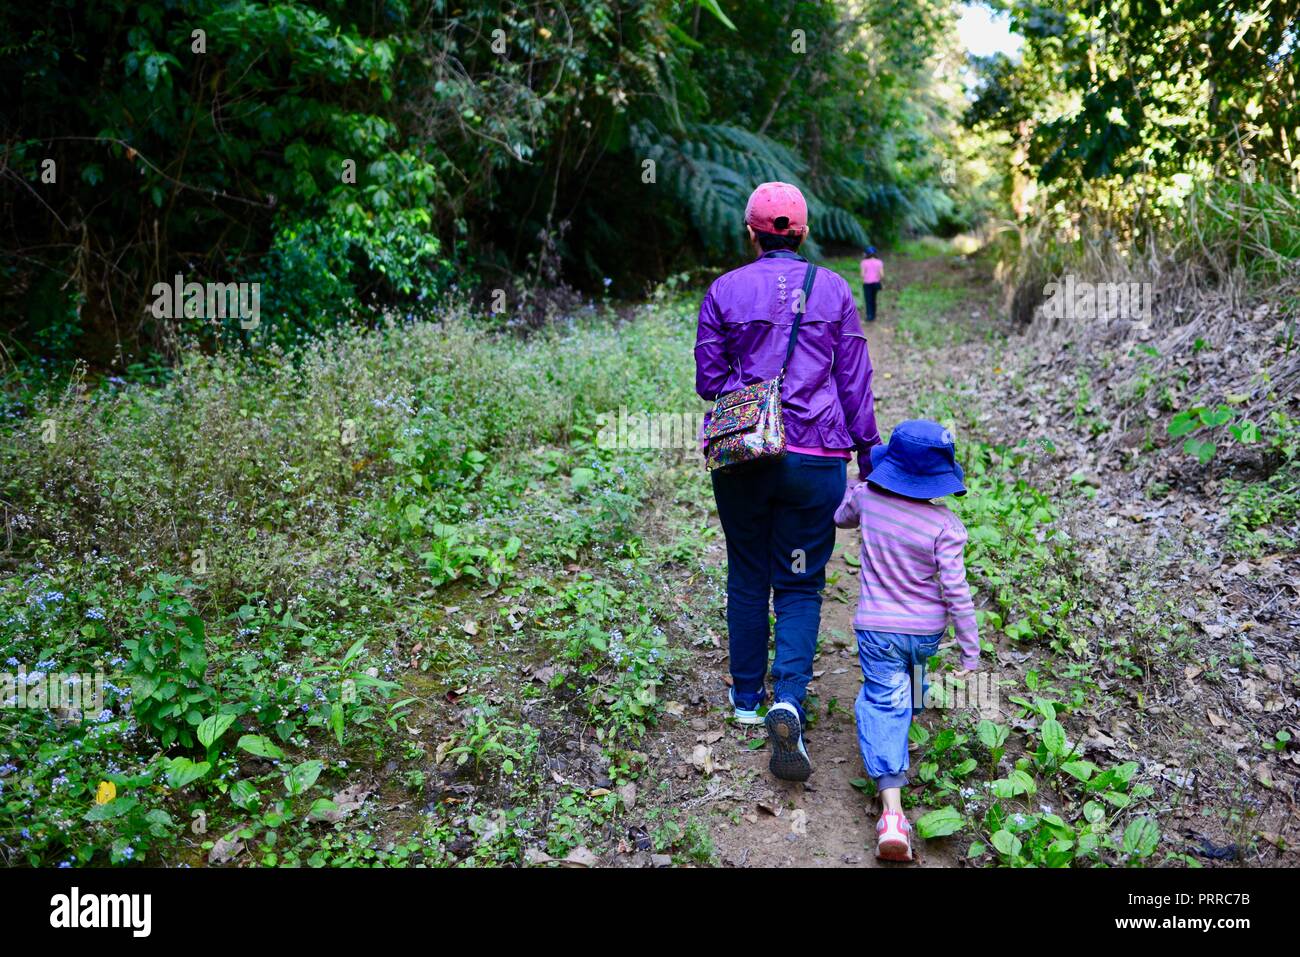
<point>347,155</point>
<point>207,139</point>
<point>1122,112</point>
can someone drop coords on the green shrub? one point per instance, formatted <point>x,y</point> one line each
<point>1264,515</point>
<point>250,538</point>
<point>168,663</point>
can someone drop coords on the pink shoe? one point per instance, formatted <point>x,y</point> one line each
<point>893,837</point>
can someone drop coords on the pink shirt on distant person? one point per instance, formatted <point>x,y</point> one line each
<point>872,270</point>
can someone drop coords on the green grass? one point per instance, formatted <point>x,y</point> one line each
<point>926,314</point>
<point>924,247</point>
<point>1264,516</point>
<point>282,563</point>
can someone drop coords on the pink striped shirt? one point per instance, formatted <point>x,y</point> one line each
<point>913,578</point>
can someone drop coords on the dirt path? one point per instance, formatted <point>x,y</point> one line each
<point>755,819</point>
<point>827,822</point>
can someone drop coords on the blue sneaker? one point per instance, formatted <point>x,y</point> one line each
<point>744,715</point>
<point>790,760</point>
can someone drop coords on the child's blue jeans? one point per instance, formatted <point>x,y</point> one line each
<point>893,686</point>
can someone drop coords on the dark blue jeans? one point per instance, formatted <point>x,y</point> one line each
<point>869,290</point>
<point>778,517</point>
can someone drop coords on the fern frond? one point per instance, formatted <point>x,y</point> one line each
<point>711,169</point>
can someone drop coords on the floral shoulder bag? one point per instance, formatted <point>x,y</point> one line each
<point>746,425</point>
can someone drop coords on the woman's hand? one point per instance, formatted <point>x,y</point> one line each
<point>864,458</point>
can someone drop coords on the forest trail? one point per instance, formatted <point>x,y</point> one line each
<point>353,502</point>
<point>1121,612</point>
<point>829,821</point>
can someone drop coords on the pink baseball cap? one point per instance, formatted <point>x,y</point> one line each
<point>776,208</point>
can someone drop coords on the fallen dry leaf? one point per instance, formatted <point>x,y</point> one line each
<point>1264,776</point>
<point>345,802</point>
<point>580,857</point>
<point>534,856</point>
<point>702,758</point>
<point>544,675</point>
<point>627,793</point>
<point>226,849</point>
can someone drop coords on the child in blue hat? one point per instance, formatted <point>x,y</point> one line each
<point>913,583</point>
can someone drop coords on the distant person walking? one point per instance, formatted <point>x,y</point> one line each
<point>873,270</point>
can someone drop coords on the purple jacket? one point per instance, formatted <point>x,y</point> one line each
<point>743,332</point>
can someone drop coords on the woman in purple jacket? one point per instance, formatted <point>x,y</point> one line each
<point>778,514</point>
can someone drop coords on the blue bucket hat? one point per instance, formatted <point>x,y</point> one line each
<point>870,250</point>
<point>919,461</point>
